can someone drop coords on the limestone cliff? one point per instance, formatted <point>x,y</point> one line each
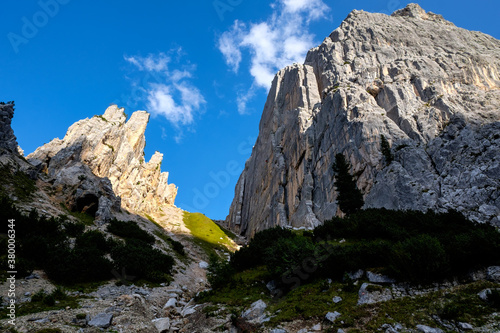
<point>113,149</point>
<point>8,140</point>
<point>431,88</point>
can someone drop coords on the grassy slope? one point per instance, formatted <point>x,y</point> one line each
<point>207,234</point>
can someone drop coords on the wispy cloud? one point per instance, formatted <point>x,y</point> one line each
<point>282,39</point>
<point>170,94</point>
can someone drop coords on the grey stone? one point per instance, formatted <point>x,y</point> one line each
<point>162,324</point>
<point>493,273</point>
<point>256,312</point>
<point>277,330</point>
<point>427,329</point>
<point>372,293</point>
<point>465,326</point>
<point>172,302</point>
<point>337,299</point>
<point>378,278</point>
<point>483,294</point>
<point>189,310</point>
<point>332,316</point>
<point>203,264</point>
<point>316,327</point>
<point>102,320</point>
<point>356,275</point>
<point>437,108</point>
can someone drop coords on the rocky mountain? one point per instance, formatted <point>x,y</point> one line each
<point>429,87</point>
<point>111,149</point>
<point>7,138</point>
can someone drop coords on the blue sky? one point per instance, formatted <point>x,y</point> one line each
<point>201,68</point>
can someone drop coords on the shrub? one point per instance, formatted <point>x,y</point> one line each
<point>419,259</point>
<point>130,230</point>
<point>139,259</point>
<point>219,272</point>
<point>287,254</point>
<point>254,253</point>
<point>178,247</point>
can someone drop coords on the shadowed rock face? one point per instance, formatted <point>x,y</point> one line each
<point>7,138</point>
<point>432,89</point>
<point>113,149</point>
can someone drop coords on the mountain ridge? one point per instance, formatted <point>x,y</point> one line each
<point>414,78</point>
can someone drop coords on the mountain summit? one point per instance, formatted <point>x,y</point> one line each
<point>430,88</point>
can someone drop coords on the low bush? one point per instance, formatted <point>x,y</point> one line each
<point>130,230</point>
<point>140,260</point>
<point>70,256</point>
<point>413,246</point>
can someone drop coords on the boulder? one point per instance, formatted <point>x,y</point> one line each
<point>378,278</point>
<point>465,326</point>
<point>332,316</point>
<point>256,312</point>
<point>101,320</point>
<point>373,293</point>
<point>493,274</point>
<point>171,303</point>
<point>162,324</point>
<point>427,329</point>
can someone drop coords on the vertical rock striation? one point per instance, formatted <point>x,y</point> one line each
<point>431,88</point>
<point>112,148</point>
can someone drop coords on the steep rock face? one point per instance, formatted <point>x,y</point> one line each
<point>112,148</point>
<point>7,138</point>
<point>430,88</point>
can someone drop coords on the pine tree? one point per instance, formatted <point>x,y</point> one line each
<point>386,149</point>
<point>349,196</point>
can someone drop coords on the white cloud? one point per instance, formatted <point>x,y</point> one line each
<point>281,40</point>
<point>314,9</point>
<point>228,44</point>
<point>243,98</point>
<point>168,92</point>
<point>151,63</point>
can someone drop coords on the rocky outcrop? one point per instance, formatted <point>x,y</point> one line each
<point>432,89</point>
<point>112,149</point>
<point>8,140</point>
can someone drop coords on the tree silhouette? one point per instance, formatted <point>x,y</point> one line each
<point>386,149</point>
<point>349,196</point>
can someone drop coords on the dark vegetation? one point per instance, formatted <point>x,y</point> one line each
<point>70,255</point>
<point>411,246</point>
<point>386,150</point>
<point>350,198</point>
<point>22,186</point>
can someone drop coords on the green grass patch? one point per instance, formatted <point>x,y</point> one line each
<point>208,235</point>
